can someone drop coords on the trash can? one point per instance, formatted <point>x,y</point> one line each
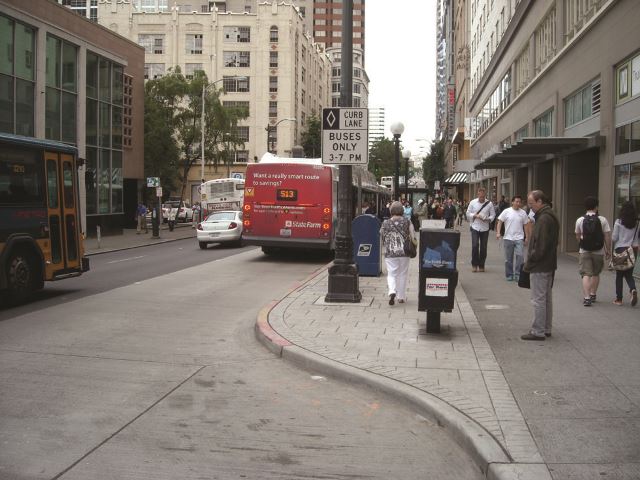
<point>438,273</point>
<point>365,230</point>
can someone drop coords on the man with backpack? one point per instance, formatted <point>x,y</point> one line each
<point>594,235</point>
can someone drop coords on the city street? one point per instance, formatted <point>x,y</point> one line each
<point>148,367</point>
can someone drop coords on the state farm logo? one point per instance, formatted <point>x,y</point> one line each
<point>290,223</point>
<point>287,224</point>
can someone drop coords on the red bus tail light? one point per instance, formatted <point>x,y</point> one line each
<point>247,223</point>
<point>326,210</point>
<point>326,226</point>
<point>247,207</point>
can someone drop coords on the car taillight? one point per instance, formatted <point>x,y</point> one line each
<point>199,227</point>
<point>233,225</point>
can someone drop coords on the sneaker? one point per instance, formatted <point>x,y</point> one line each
<point>401,300</point>
<point>634,297</point>
<point>531,336</point>
<point>617,302</point>
<point>392,299</point>
<point>509,279</point>
<point>592,297</point>
<point>586,302</point>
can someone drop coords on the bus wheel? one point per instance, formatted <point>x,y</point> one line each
<point>20,277</point>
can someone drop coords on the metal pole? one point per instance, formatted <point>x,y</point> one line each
<point>396,181</point>
<point>268,129</point>
<point>343,273</point>
<point>406,179</point>
<point>204,87</point>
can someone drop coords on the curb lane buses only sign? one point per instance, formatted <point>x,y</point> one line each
<point>345,136</point>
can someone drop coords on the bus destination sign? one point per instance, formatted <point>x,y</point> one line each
<point>345,136</point>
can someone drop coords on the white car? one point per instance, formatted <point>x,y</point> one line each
<point>220,227</point>
<point>184,214</point>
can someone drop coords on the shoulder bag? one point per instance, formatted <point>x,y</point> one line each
<point>625,258</point>
<point>407,243</point>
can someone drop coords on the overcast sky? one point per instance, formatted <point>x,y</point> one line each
<point>401,61</point>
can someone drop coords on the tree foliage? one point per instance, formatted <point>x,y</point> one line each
<point>433,163</point>
<point>382,158</point>
<point>311,141</point>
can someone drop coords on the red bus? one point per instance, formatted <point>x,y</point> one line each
<point>292,202</point>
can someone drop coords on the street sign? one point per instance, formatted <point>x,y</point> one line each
<point>238,175</point>
<point>345,136</point>
<point>158,191</point>
<point>153,181</point>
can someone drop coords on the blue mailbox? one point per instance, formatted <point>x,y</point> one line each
<point>365,230</point>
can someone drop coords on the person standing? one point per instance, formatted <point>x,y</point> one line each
<point>594,235</point>
<point>449,213</point>
<point>171,217</point>
<point>141,217</point>
<point>422,211</point>
<point>395,231</point>
<point>460,211</point>
<point>514,220</point>
<point>542,262</point>
<point>408,211</point>
<point>480,214</point>
<point>625,235</point>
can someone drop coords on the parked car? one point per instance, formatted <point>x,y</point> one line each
<point>183,214</point>
<point>220,227</point>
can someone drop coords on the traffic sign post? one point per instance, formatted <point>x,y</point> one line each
<point>345,136</point>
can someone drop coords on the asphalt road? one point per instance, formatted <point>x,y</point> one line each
<point>154,372</point>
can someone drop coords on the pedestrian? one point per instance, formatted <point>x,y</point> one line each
<point>542,262</point>
<point>171,217</point>
<point>460,211</point>
<point>195,217</point>
<point>625,236</point>
<point>594,235</point>
<point>513,219</point>
<point>502,206</point>
<point>408,211</point>
<point>422,211</point>
<point>449,213</point>
<point>480,214</point>
<point>395,232</point>
<point>141,218</point>
<point>385,213</point>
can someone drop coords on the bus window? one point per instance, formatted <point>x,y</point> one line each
<point>54,217</point>
<point>67,176</point>
<point>21,181</point>
<point>52,183</point>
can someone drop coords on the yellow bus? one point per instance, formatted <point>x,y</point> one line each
<point>40,235</point>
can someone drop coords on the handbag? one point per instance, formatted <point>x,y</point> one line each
<point>524,280</point>
<point>623,260</point>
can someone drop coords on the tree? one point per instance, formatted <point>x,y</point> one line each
<point>311,141</point>
<point>433,163</point>
<point>382,158</point>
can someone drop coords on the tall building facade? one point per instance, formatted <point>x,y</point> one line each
<point>67,79</point>
<point>286,74</point>
<point>554,102</point>
<point>376,124</point>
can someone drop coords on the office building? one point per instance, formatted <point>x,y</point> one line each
<point>376,124</point>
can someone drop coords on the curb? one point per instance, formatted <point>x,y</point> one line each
<point>486,452</point>
<point>131,247</point>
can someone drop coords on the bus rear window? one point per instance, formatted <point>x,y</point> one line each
<point>21,178</point>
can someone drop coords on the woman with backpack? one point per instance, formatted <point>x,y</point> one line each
<point>395,232</point>
<point>625,247</point>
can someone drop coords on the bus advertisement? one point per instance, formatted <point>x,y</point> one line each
<point>221,194</point>
<point>289,204</point>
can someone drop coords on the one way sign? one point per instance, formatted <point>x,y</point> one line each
<point>345,136</point>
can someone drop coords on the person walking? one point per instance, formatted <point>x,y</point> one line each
<point>514,220</point>
<point>171,217</point>
<point>422,211</point>
<point>141,217</point>
<point>542,262</point>
<point>594,235</point>
<point>480,214</point>
<point>449,213</point>
<point>395,231</point>
<point>460,211</point>
<point>408,211</point>
<point>625,235</point>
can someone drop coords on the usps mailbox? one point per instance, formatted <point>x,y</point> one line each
<point>365,230</point>
<point>438,273</point>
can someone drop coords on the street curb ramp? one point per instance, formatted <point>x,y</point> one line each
<point>486,452</point>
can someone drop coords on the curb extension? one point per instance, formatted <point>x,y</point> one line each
<point>486,452</point>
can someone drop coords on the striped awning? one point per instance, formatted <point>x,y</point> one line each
<point>456,179</point>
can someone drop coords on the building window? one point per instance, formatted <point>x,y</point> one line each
<point>241,106</point>
<point>194,44</point>
<point>335,87</point>
<point>273,109</point>
<point>335,101</point>
<point>580,105</point>
<point>273,59</point>
<point>357,87</point>
<point>545,38</point>
<point>237,59</point>
<point>233,85</point>
<point>522,71</point>
<point>577,14</point>
<point>335,71</point>
<point>522,133</point>
<point>355,101</point>
<point>17,77</point>
<point>628,138</point>
<point>273,84</point>
<point>628,79</point>
<point>303,12</point>
<point>191,68</point>
<point>302,95</point>
<point>127,114</point>
<point>304,75</point>
<point>237,34</point>
<point>106,91</point>
<point>61,90</point>
<point>242,133</point>
<point>152,71</point>
<point>273,34</point>
<point>151,43</point>
<point>240,156</point>
<point>542,126</point>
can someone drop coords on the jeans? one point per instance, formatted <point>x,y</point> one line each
<point>541,299</point>
<point>512,247</point>
<point>628,276</point>
<point>478,247</point>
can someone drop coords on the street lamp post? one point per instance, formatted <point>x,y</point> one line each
<point>396,129</point>
<point>406,154</point>
<point>270,128</point>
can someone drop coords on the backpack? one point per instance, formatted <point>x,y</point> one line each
<point>592,234</point>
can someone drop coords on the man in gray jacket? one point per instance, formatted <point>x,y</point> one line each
<point>542,262</point>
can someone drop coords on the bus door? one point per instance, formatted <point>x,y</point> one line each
<point>62,213</point>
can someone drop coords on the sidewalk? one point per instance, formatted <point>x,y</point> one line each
<point>455,377</point>
<point>131,239</point>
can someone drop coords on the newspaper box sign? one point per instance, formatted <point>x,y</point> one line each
<point>345,136</point>
<point>437,287</point>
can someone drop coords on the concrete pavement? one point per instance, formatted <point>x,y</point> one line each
<point>131,239</point>
<point>495,394</point>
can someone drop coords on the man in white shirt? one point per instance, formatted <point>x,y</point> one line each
<point>595,245</point>
<point>480,214</point>
<point>514,219</point>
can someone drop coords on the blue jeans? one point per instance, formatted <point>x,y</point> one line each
<point>624,275</point>
<point>512,247</point>
<point>478,247</point>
